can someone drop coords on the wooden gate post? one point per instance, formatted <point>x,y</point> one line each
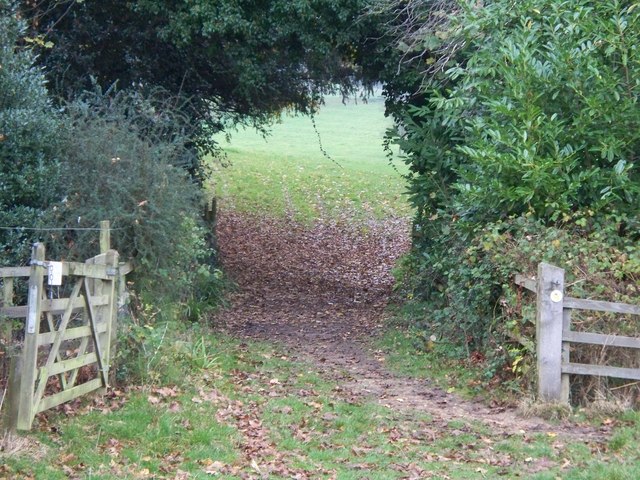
<point>12,411</point>
<point>549,319</point>
<point>105,236</point>
<point>111,314</point>
<point>32,329</point>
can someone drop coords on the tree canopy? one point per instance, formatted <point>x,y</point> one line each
<point>237,59</point>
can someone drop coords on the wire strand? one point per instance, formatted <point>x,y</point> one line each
<point>59,229</point>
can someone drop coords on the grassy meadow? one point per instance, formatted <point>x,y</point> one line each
<point>339,168</point>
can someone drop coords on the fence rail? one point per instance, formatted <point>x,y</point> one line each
<point>554,335</point>
<point>67,342</point>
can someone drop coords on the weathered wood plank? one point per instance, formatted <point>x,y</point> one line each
<point>55,347</point>
<point>549,332</point>
<point>70,268</point>
<point>6,328</point>
<point>108,340</point>
<point>602,371</point>
<point>93,322</point>
<point>566,354</point>
<point>125,268</point>
<point>30,348</point>
<point>602,339</point>
<point>56,306</point>
<point>59,305</point>
<point>12,411</point>
<point>14,312</point>
<point>528,283</point>
<point>70,334</point>
<point>66,395</point>
<point>87,270</point>
<point>105,236</point>
<point>7,291</point>
<point>91,290</point>
<point>15,272</point>
<point>600,306</point>
<point>62,366</point>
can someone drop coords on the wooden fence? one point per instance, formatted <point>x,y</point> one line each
<point>65,351</point>
<point>554,335</point>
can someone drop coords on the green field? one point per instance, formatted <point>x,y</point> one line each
<point>287,172</point>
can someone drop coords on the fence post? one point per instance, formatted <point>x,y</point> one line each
<point>111,313</point>
<point>12,410</point>
<point>30,348</point>
<point>549,332</point>
<point>105,236</point>
<point>566,355</point>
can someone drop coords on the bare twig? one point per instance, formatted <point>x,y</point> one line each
<point>411,23</point>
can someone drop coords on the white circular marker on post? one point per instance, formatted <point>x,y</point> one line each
<point>556,296</point>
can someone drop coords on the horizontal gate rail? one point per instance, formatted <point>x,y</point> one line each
<point>554,334</point>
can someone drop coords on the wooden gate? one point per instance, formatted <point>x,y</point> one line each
<point>70,323</point>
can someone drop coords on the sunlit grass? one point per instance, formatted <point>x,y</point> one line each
<point>340,167</point>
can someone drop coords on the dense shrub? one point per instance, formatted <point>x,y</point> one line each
<point>538,114</point>
<point>126,157</point>
<point>124,161</point>
<point>523,147</point>
<point>29,143</point>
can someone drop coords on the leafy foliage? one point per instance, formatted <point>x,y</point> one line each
<point>132,149</point>
<point>238,60</point>
<point>548,107</point>
<point>29,141</point>
<point>528,130</point>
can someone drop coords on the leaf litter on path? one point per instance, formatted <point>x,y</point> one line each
<point>321,291</point>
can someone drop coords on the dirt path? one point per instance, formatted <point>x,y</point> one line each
<point>322,291</point>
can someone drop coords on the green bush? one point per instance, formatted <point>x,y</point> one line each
<point>463,291</point>
<point>124,161</point>
<point>522,147</point>
<point>30,145</point>
<point>548,103</point>
<point>538,114</point>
